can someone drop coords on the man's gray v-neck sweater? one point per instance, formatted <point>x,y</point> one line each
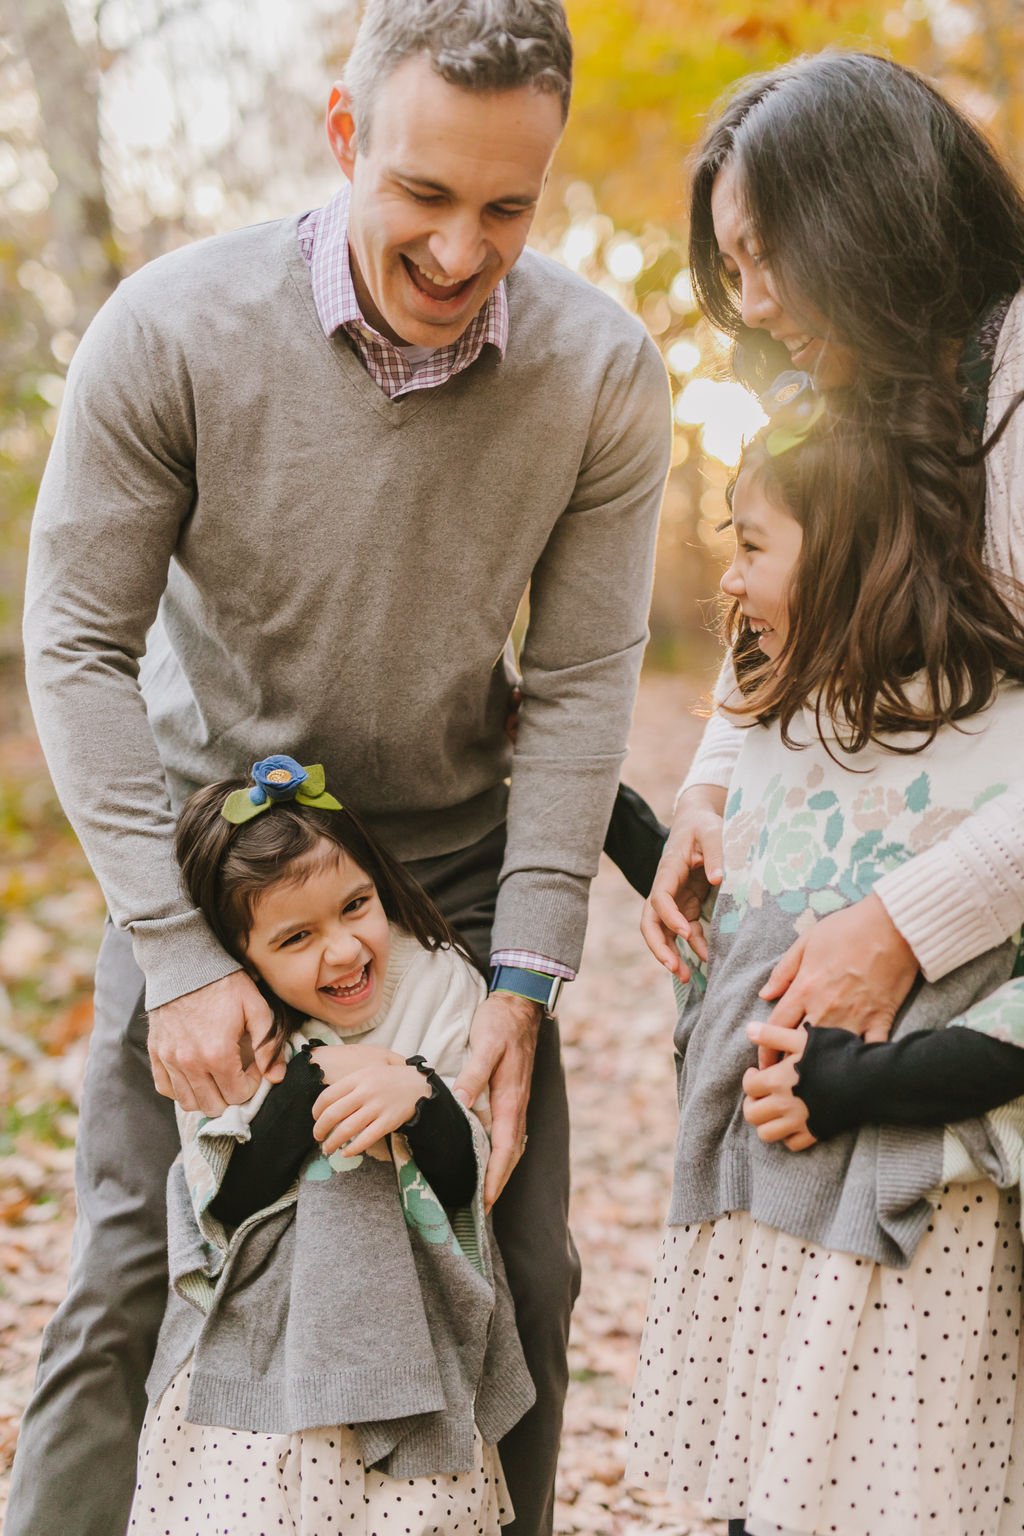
<point>311,567</point>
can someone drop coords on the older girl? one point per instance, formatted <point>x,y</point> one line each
<point>833,1337</point>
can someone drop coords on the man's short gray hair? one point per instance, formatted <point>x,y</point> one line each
<point>482,45</point>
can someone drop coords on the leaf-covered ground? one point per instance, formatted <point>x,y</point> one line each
<point>616,1026</point>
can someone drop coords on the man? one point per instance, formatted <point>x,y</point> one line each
<point>309,470</point>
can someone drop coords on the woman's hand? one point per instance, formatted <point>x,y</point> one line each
<point>365,1105</point>
<point>690,866</point>
<point>852,970</point>
<point>771,1103</point>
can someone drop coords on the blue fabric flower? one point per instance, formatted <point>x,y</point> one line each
<point>279,779</point>
<point>276,778</point>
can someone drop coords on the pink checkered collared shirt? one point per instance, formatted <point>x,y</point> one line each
<point>323,240</point>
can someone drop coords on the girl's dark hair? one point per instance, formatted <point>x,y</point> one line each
<point>226,868</point>
<point>895,622</point>
<point>879,207</point>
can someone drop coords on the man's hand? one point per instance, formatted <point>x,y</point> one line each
<point>502,1045</point>
<point>690,866</point>
<point>771,1103</point>
<point>206,1048</point>
<point>365,1105</point>
<point>852,970</point>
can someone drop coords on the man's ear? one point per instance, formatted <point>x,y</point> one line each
<point>341,128</point>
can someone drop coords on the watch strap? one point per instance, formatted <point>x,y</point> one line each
<point>534,985</point>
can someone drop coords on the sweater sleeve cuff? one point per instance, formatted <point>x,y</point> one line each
<point>544,912</point>
<point>178,955</point>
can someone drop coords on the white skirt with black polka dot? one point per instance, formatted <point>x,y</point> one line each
<point>820,1394</point>
<point>228,1482</point>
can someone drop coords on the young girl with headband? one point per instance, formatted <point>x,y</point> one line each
<point>832,1341</point>
<point>339,1350</point>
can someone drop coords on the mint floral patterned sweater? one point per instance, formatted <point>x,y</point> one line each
<point>806,833</point>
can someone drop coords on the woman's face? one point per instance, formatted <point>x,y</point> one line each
<point>749,265</point>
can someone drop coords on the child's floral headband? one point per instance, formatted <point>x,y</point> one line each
<point>793,399</point>
<point>276,779</point>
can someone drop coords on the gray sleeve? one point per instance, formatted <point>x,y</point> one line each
<point>118,486</point>
<point>589,600</point>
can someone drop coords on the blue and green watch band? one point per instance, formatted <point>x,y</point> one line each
<point>530,984</point>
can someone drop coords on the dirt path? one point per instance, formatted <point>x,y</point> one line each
<point>616,1027</point>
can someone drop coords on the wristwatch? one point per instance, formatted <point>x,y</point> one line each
<point>534,985</point>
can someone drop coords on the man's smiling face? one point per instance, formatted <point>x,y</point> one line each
<point>442,196</point>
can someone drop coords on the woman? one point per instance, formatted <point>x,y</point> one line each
<point>849,221</point>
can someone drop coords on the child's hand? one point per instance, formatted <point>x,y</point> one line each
<point>338,1061</point>
<point>365,1105</point>
<point>771,1105</point>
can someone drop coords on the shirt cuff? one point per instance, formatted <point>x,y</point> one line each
<point>531,962</point>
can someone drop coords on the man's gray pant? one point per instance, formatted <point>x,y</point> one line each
<point>74,1472</point>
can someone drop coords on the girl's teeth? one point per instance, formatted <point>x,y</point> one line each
<point>353,986</point>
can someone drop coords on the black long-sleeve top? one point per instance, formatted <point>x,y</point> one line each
<point>281,1138</point>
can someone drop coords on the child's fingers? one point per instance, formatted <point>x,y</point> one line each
<point>784,1042</point>
<point>801,1141</point>
<point>773,1118</point>
<point>349,1117</point>
<point>755,1083</point>
<point>349,1087</point>
<point>377,1131</point>
<point>758,1111</point>
<point>350,1140</point>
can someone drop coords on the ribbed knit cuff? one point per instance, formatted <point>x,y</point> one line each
<point>542,911</point>
<point>933,902</point>
<point>178,955</point>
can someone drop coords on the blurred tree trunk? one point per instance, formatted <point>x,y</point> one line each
<point>65,74</point>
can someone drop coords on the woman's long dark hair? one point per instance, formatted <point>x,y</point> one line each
<point>893,626</point>
<point>882,209</point>
<point>226,869</point>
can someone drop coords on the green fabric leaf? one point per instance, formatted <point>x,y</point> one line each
<point>322,802</point>
<point>238,808</point>
<point>316,781</point>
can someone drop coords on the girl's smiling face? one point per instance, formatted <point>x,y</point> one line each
<point>320,940</point>
<point>768,544</point>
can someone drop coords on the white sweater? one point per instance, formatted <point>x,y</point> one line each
<point>965,895</point>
